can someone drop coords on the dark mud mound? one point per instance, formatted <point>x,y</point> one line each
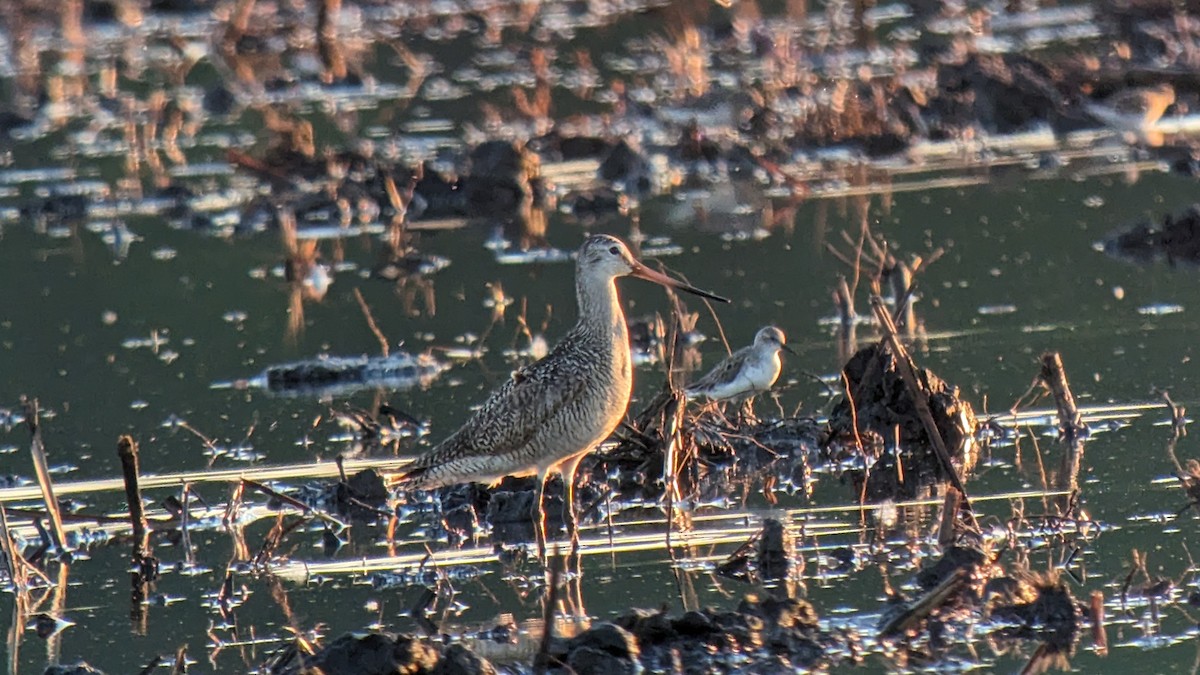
<point>879,412</point>
<point>362,497</point>
<point>710,450</point>
<point>1175,241</point>
<point>1038,604</point>
<point>759,634</point>
<point>766,556</point>
<point>504,177</point>
<point>760,441</point>
<point>770,633</point>
<point>967,582</point>
<point>1002,93</point>
<point>383,654</point>
<point>465,511</point>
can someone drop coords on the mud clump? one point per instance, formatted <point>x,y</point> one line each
<point>1176,240</point>
<point>758,633</point>
<point>504,176</point>
<point>606,648</point>
<point>372,654</point>
<point>458,660</point>
<point>879,410</point>
<point>1041,603</point>
<point>969,559</point>
<point>362,496</point>
<point>766,556</point>
<point>511,506</point>
<point>1000,93</point>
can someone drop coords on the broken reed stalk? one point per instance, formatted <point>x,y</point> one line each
<point>293,502</point>
<point>12,566</point>
<point>1178,414</point>
<point>366,310</point>
<point>858,445</point>
<point>145,566</point>
<point>672,420</point>
<point>185,512</point>
<point>152,665</point>
<point>1099,632</point>
<point>924,606</point>
<point>843,299</point>
<point>38,450</point>
<point>901,278</point>
<point>58,603</point>
<point>328,45</point>
<point>948,530</point>
<point>139,591</point>
<point>1054,376</point>
<point>920,399</point>
<point>127,451</point>
<point>541,661</point>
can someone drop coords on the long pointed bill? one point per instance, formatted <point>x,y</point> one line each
<point>788,350</point>
<point>643,272</point>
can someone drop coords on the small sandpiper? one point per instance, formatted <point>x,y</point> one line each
<point>745,373</point>
<point>1134,113</point>
<point>551,413</point>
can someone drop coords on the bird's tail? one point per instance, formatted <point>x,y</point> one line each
<point>408,477</point>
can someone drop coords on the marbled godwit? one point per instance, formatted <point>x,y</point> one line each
<point>551,413</point>
<point>745,373</point>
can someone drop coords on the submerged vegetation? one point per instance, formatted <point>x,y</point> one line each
<point>380,141</point>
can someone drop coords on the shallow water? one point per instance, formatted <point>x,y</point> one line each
<point>142,328</point>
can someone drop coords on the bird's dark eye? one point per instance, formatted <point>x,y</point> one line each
<point>614,250</point>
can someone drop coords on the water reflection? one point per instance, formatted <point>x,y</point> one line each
<point>384,140</point>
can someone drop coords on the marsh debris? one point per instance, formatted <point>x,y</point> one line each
<point>879,403</point>
<point>1039,603</point>
<point>341,375</point>
<point>1175,240</point>
<point>759,633</point>
<point>766,556</point>
<point>367,655</point>
<point>362,497</point>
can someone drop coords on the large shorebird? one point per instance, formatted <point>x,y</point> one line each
<point>745,373</point>
<point>551,413</point>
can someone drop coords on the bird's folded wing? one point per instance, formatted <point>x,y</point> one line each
<point>723,372</point>
<point>511,415</point>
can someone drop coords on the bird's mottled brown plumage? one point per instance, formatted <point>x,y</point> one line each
<point>546,412</point>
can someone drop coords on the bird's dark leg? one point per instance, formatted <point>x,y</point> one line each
<point>539,514</point>
<point>568,474</point>
<point>745,413</point>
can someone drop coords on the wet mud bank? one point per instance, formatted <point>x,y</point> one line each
<point>757,634</point>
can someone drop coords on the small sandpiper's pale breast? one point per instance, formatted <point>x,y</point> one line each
<point>745,373</point>
<point>552,412</point>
